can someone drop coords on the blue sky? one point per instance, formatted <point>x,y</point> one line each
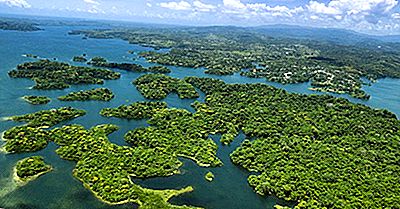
<point>370,16</point>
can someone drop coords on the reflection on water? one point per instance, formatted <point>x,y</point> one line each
<point>59,189</point>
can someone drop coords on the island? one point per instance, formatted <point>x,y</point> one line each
<point>32,137</point>
<point>307,149</point>
<point>136,110</point>
<point>102,62</point>
<point>18,25</point>
<point>29,169</point>
<point>158,86</point>
<point>99,94</point>
<point>79,59</point>
<point>58,75</point>
<point>328,66</point>
<point>36,100</point>
<point>209,176</point>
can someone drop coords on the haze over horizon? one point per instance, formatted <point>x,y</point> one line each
<point>368,16</point>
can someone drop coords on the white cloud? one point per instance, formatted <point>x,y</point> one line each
<point>200,6</point>
<point>92,2</point>
<point>16,3</point>
<point>396,15</point>
<point>149,4</point>
<point>357,10</point>
<point>182,5</point>
<point>234,4</point>
<point>321,8</point>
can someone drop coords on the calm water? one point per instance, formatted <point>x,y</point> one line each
<point>59,189</point>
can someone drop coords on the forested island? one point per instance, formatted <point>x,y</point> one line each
<point>309,151</point>
<point>306,149</point>
<point>58,75</point>
<point>29,169</point>
<point>79,59</point>
<point>209,176</point>
<point>32,136</point>
<point>18,25</point>
<point>36,100</point>
<point>226,50</point>
<point>158,86</point>
<point>102,62</point>
<point>99,94</point>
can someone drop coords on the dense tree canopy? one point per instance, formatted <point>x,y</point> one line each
<point>226,50</point>
<point>100,94</point>
<point>57,75</point>
<point>158,86</point>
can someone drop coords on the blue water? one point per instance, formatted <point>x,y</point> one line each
<point>58,189</point>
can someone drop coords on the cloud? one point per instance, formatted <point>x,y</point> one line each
<point>395,15</point>
<point>91,2</point>
<point>16,3</point>
<point>234,4</point>
<point>357,10</point>
<point>182,5</point>
<point>202,7</point>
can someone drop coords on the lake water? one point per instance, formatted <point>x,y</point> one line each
<point>59,189</point>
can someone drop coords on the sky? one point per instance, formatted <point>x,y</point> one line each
<point>368,16</point>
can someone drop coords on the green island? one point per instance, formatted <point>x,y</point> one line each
<point>31,137</point>
<point>79,59</point>
<point>107,169</point>
<point>57,75</point>
<point>158,86</point>
<point>318,151</point>
<point>36,100</point>
<point>209,176</point>
<point>18,25</point>
<point>136,110</point>
<point>102,62</point>
<point>29,169</point>
<point>228,50</point>
<point>100,94</point>
<point>308,149</point>
<point>31,56</point>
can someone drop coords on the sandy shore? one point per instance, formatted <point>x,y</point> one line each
<point>22,182</point>
<point>5,118</point>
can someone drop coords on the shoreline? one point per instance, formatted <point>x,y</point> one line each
<point>166,194</point>
<point>6,118</point>
<point>2,139</point>
<point>21,182</point>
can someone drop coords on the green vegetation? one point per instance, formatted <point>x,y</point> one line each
<point>30,168</point>
<point>158,86</point>
<point>18,25</point>
<point>137,110</point>
<point>22,139</point>
<point>328,66</point>
<point>209,176</point>
<point>79,59</point>
<point>37,100</point>
<point>32,137</point>
<point>49,118</point>
<point>180,133</point>
<point>101,94</point>
<point>102,62</point>
<point>319,151</point>
<point>106,169</point>
<point>57,75</point>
